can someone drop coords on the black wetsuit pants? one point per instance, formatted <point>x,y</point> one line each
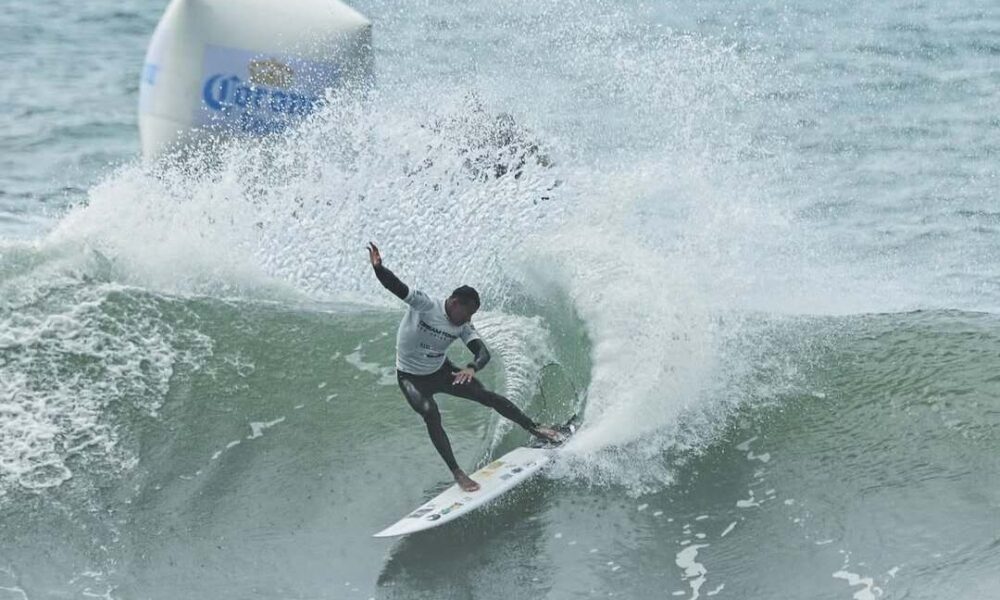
<point>420,389</point>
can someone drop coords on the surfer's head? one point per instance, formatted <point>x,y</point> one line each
<point>462,304</point>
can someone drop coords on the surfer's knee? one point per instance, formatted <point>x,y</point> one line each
<point>430,413</point>
<point>418,401</point>
<point>428,410</point>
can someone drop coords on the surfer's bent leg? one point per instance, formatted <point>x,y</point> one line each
<point>475,390</point>
<point>425,405</point>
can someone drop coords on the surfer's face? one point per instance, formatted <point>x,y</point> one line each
<point>458,311</point>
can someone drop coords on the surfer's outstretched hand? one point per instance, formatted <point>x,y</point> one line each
<point>374,255</point>
<point>463,376</point>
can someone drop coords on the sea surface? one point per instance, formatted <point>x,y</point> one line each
<point>755,245</point>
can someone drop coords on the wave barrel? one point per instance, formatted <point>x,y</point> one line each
<point>246,67</point>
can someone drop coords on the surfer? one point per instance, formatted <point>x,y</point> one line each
<point>422,369</point>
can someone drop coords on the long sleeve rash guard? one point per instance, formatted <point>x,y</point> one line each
<point>481,355</point>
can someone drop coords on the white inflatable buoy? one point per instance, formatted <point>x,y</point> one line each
<point>246,66</point>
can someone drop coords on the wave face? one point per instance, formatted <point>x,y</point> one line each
<point>755,253</point>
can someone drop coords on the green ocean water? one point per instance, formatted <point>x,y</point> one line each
<point>277,442</point>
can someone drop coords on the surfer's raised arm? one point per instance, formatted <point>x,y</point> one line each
<point>386,277</point>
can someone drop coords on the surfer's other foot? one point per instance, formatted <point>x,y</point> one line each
<point>464,481</point>
<point>548,434</point>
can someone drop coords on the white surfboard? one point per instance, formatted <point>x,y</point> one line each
<point>496,478</point>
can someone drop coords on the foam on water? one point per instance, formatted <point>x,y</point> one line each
<point>74,351</point>
<point>655,248</point>
<point>648,247</point>
<point>295,213</point>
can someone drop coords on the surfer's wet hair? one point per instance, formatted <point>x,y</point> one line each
<point>467,295</point>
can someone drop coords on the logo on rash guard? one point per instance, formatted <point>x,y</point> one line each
<point>436,332</point>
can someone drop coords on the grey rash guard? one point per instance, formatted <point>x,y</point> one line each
<point>425,333</point>
<point>419,303</point>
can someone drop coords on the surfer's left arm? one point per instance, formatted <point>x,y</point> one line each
<point>481,355</point>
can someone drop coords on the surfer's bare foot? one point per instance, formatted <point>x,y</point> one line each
<point>547,433</point>
<point>464,481</point>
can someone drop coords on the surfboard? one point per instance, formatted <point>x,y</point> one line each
<point>495,479</point>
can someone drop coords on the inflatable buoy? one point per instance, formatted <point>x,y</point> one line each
<point>247,67</point>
